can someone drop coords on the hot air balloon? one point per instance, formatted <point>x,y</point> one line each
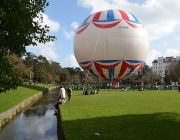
<point>111,44</point>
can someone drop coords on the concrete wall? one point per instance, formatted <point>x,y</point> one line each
<point>6,116</point>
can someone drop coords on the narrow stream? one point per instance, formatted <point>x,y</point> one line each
<point>36,123</point>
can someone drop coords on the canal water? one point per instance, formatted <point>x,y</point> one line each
<point>37,123</point>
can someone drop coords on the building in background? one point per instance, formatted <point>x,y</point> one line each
<point>163,64</point>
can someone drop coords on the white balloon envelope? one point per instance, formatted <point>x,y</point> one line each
<point>111,44</point>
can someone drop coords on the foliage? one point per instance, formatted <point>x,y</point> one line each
<point>20,26</point>
<point>9,77</point>
<point>25,71</point>
<point>51,72</point>
<point>145,75</point>
<point>55,70</point>
<point>173,73</point>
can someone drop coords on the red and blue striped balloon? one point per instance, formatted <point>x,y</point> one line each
<point>111,44</point>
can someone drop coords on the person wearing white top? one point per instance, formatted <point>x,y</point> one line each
<point>62,95</point>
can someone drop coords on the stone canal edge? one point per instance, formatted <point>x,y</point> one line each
<point>8,115</point>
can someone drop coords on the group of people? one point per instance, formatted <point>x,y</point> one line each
<point>62,95</point>
<point>86,92</point>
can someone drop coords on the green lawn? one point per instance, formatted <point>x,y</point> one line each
<point>132,115</point>
<point>13,97</point>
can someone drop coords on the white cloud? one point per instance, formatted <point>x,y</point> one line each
<point>161,29</point>
<point>177,38</point>
<point>172,52</point>
<point>154,54</point>
<point>54,25</point>
<point>97,5</point>
<point>161,17</point>
<point>38,127</point>
<point>48,50</point>
<point>68,34</point>
<point>70,61</point>
<point>74,25</point>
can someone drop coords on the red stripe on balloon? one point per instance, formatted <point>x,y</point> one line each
<point>133,25</point>
<point>81,30</point>
<point>132,66</point>
<point>139,67</point>
<point>124,66</point>
<point>96,17</point>
<point>123,69</point>
<point>137,70</point>
<point>87,67</point>
<point>109,25</point>
<point>124,15</point>
<point>100,67</point>
<point>99,70</point>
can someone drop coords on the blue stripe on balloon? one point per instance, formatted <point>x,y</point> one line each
<point>110,15</point>
<point>111,73</point>
<point>104,21</point>
<point>131,71</point>
<point>136,20</point>
<point>85,21</point>
<point>134,61</point>
<point>111,61</point>
<point>84,62</point>
<point>107,61</point>
<point>92,72</point>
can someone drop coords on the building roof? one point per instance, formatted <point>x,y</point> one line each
<point>155,61</point>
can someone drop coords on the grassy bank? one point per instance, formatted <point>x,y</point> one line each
<point>131,115</point>
<point>13,97</point>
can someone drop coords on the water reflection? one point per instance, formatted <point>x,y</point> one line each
<point>37,123</point>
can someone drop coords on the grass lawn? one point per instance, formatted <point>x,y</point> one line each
<point>13,97</point>
<point>116,115</point>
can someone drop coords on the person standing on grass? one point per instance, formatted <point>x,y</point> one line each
<point>69,93</point>
<point>61,99</point>
<point>62,95</point>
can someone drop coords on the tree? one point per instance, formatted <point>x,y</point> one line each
<point>55,70</point>
<point>9,77</point>
<point>65,76</point>
<point>41,70</point>
<point>25,71</point>
<point>20,26</point>
<point>174,72</point>
<point>144,75</point>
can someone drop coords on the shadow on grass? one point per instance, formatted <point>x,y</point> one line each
<point>36,87</point>
<point>158,126</point>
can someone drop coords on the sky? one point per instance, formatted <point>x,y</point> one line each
<point>161,18</point>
